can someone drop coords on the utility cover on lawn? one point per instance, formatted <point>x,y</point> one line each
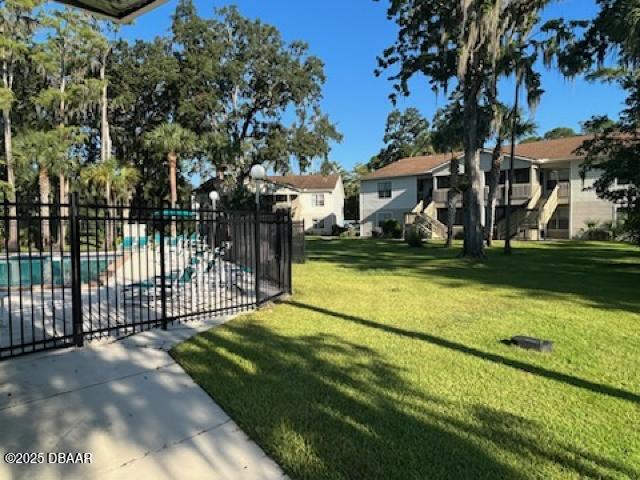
<point>531,343</point>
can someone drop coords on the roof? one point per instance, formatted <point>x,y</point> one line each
<point>306,182</point>
<point>411,166</point>
<point>559,149</point>
<point>122,11</point>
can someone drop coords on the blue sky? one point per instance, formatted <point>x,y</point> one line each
<point>348,35</point>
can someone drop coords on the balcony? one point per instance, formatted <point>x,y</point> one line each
<point>520,192</point>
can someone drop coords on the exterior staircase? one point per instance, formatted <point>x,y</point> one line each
<point>423,219</point>
<point>528,223</point>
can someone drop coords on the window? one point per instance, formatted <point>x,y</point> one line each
<point>501,180</point>
<point>318,200</point>
<point>560,219</point>
<point>384,190</point>
<point>383,217</point>
<point>443,216</point>
<point>281,198</point>
<point>443,182</point>
<point>521,175</point>
<point>318,223</point>
<point>553,177</point>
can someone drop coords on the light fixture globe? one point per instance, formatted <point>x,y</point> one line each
<point>258,172</point>
<point>214,196</point>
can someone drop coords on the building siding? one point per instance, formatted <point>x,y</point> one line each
<point>404,194</point>
<point>585,204</point>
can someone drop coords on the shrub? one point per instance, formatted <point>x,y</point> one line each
<point>349,232</point>
<point>414,238</point>
<point>337,230</point>
<point>392,229</point>
<point>596,231</point>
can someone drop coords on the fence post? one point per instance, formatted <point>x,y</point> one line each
<point>163,276</point>
<point>257,243</point>
<point>76,281</point>
<point>289,253</point>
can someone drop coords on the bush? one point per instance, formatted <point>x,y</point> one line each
<point>337,230</point>
<point>597,231</point>
<point>392,229</point>
<point>414,238</point>
<point>349,232</point>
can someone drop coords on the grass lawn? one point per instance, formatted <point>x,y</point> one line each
<point>387,363</point>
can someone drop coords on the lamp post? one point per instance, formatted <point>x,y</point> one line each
<point>214,197</point>
<point>258,174</point>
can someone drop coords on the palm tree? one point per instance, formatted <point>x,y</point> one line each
<point>124,183</point>
<point>172,140</point>
<point>41,150</point>
<point>115,181</point>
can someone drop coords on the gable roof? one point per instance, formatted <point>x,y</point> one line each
<point>306,182</point>
<point>407,167</point>
<point>559,149</point>
<point>122,11</point>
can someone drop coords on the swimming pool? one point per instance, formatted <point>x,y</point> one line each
<point>49,271</point>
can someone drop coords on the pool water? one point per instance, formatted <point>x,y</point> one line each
<point>48,271</point>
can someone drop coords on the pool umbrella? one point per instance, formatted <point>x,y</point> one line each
<point>120,11</point>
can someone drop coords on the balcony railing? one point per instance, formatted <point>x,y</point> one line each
<point>520,192</point>
<point>440,196</point>
<point>563,191</point>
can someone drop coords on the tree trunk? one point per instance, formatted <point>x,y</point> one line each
<point>452,198</point>
<point>494,181</point>
<point>45,191</point>
<point>12,240</point>
<point>105,135</point>
<point>172,159</point>
<point>109,231</point>
<point>473,193</point>
<point>63,210</point>
<point>61,176</point>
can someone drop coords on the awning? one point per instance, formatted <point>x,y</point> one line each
<point>121,11</point>
<point>175,214</point>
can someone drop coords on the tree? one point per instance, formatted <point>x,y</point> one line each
<point>599,124</point>
<point>42,151</point>
<point>352,190</point>
<point>241,83</point>
<point>459,41</point>
<point>330,167</point>
<point>64,57</point>
<point>143,85</point>
<point>18,22</point>
<point>607,48</point>
<point>406,135</point>
<point>173,141</point>
<point>447,137</point>
<point>503,130</point>
<point>115,181</point>
<point>559,132</point>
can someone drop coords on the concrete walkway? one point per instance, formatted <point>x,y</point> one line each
<point>128,404</point>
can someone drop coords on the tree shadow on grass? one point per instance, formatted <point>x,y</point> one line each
<point>490,357</point>
<point>327,408</point>
<point>604,275</point>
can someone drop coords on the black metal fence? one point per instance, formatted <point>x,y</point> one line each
<point>76,272</point>
<point>299,251</point>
